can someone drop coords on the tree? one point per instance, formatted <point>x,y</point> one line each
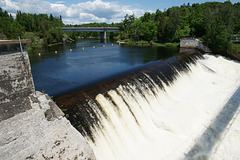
<point>217,37</point>
<point>175,20</point>
<point>51,17</point>
<point>148,31</point>
<point>218,32</point>
<point>158,15</point>
<point>137,29</point>
<point>161,29</point>
<point>127,25</point>
<point>181,32</point>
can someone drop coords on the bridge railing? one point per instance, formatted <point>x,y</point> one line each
<point>91,29</point>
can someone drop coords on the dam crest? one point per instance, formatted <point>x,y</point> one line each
<point>185,107</point>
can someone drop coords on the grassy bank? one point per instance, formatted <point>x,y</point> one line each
<point>237,46</point>
<point>146,43</point>
<point>167,44</point>
<point>234,49</point>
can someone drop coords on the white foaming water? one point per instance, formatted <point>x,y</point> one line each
<point>167,124</point>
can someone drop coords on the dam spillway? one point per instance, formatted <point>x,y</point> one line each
<point>159,111</point>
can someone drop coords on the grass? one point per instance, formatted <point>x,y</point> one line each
<point>234,49</point>
<point>166,44</point>
<point>55,44</point>
<point>142,42</point>
<point>146,43</point>
<point>237,45</point>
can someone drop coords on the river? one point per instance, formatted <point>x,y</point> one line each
<point>68,67</point>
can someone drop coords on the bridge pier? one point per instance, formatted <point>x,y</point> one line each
<point>103,36</point>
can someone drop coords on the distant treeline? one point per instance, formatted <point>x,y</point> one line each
<point>214,22</point>
<point>41,29</point>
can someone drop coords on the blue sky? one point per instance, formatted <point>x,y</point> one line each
<point>87,11</point>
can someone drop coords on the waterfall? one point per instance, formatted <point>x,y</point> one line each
<point>155,112</point>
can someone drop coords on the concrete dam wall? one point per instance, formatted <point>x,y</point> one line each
<point>16,81</point>
<point>185,107</point>
<point>32,125</point>
<point>193,43</point>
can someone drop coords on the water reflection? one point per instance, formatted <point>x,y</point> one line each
<point>78,64</point>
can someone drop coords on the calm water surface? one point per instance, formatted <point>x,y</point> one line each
<point>57,73</point>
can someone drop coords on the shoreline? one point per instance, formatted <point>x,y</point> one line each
<point>152,44</point>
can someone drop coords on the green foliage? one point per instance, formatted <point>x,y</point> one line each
<point>162,29</point>
<point>166,44</point>
<point>216,38</point>
<point>181,32</point>
<point>149,31</point>
<point>9,28</point>
<point>129,41</point>
<point>67,116</point>
<point>35,40</point>
<point>233,48</point>
<point>142,42</point>
<point>219,26</point>
<point>41,29</point>
<point>214,22</point>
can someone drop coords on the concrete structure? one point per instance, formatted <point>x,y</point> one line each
<point>103,30</point>
<point>193,43</point>
<point>16,81</point>
<point>32,125</point>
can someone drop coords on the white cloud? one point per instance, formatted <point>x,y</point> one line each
<point>91,17</point>
<point>57,9</point>
<point>9,5</point>
<point>59,2</point>
<point>85,12</point>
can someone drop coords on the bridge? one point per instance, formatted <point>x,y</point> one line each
<point>103,30</point>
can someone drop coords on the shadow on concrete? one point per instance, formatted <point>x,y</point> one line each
<point>205,144</point>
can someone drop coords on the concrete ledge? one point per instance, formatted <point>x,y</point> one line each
<point>32,125</point>
<point>16,83</point>
<point>31,134</point>
<point>194,43</point>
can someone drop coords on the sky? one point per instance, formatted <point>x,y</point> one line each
<point>88,11</point>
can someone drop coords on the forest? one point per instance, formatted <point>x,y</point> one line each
<point>41,29</point>
<point>214,22</point>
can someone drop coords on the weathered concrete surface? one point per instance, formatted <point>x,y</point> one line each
<point>16,83</point>
<point>41,133</point>
<point>31,124</point>
<point>194,43</point>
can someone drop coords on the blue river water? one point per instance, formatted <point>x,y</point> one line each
<point>68,67</point>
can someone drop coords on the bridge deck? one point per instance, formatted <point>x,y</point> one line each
<point>90,29</point>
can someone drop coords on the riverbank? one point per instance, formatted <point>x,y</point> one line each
<point>236,46</point>
<point>37,42</point>
<point>146,43</point>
